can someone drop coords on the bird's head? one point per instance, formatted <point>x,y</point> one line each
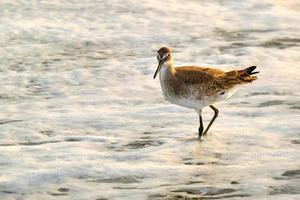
<point>164,56</point>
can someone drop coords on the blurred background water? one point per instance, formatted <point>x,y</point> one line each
<point>82,118</point>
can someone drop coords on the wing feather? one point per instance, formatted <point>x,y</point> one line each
<point>205,79</point>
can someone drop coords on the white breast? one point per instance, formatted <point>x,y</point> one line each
<point>188,102</point>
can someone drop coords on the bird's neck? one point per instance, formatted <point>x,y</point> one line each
<point>167,68</point>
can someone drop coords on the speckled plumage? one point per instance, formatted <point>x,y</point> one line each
<point>203,85</point>
<point>197,87</point>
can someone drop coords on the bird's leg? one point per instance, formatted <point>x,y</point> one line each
<point>200,130</point>
<point>212,120</point>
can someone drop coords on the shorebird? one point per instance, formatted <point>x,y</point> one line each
<point>197,87</point>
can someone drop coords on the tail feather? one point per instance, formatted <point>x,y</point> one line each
<point>250,70</point>
<point>245,75</point>
<point>240,76</point>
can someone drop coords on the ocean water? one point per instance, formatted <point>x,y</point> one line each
<point>82,118</point>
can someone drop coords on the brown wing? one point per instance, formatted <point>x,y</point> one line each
<point>211,81</point>
<point>210,71</point>
<point>204,79</point>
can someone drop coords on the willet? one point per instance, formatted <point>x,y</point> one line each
<point>198,87</point>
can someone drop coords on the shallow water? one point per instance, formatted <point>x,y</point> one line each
<point>82,118</point>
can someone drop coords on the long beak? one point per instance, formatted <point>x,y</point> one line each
<point>158,68</point>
